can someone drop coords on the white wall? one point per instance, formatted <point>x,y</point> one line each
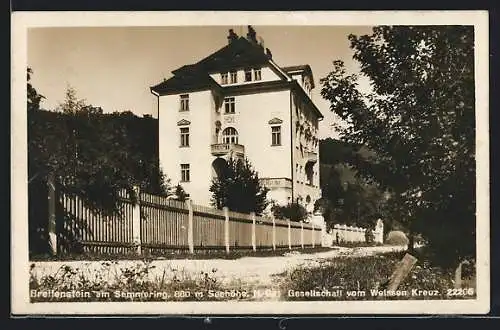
<point>267,74</point>
<point>301,188</point>
<point>198,153</point>
<point>253,113</point>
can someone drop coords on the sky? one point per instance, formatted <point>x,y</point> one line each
<point>113,67</point>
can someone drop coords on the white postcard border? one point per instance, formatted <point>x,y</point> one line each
<point>22,21</point>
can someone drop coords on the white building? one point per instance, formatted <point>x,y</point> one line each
<point>238,102</point>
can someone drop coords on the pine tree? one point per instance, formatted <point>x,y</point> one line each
<point>238,188</point>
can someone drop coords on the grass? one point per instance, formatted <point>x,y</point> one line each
<point>354,278</point>
<point>136,283</point>
<point>178,254</point>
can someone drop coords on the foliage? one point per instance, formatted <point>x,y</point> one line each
<point>365,274</point>
<point>396,237</point>
<point>347,198</point>
<point>418,119</point>
<point>90,155</point>
<point>351,202</point>
<point>238,188</point>
<point>140,277</point>
<point>292,211</point>
<point>180,193</point>
<point>369,236</point>
<point>34,98</point>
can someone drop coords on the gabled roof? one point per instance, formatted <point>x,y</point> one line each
<point>187,81</point>
<point>237,54</point>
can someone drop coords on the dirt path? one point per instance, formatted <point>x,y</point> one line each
<point>252,271</point>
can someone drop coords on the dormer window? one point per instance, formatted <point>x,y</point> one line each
<point>248,74</point>
<point>223,78</point>
<point>234,77</point>
<point>184,99</point>
<point>257,74</point>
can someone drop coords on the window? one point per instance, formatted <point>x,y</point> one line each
<point>234,77</point>
<point>248,75</point>
<point>184,136</point>
<point>230,136</point>
<point>184,102</point>
<point>223,78</point>
<point>185,172</point>
<point>229,105</point>
<point>257,74</point>
<point>276,135</point>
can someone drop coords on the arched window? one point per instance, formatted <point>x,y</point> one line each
<point>230,135</point>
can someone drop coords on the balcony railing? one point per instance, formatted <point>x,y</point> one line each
<point>223,149</point>
<point>311,156</point>
<point>276,183</point>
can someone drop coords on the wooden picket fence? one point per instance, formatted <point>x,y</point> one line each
<point>157,223</point>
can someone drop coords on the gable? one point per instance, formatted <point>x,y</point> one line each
<point>275,121</point>
<point>183,122</point>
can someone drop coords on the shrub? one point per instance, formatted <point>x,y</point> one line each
<point>292,211</point>
<point>396,238</point>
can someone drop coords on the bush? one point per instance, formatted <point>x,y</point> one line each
<point>368,273</point>
<point>396,238</point>
<point>292,211</point>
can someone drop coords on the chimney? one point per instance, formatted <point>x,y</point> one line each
<point>268,53</point>
<point>232,36</point>
<point>261,42</point>
<point>251,35</point>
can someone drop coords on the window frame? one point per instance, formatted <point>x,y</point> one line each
<point>183,102</point>
<point>275,135</point>
<point>228,101</point>
<point>257,74</point>
<point>248,75</point>
<point>184,136</point>
<point>233,77</point>
<point>232,137</point>
<point>224,78</point>
<point>185,172</point>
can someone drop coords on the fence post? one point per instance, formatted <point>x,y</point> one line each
<point>254,245</point>
<point>313,234</point>
<point>226,227</point>
<point>136,221</point>
<point>274,233</point>
<point>289,236</point>
<point>301,234</point>
<point>51,228</point>
<point>190,225</point>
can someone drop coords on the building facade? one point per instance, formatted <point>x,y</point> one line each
<point>238,102</point>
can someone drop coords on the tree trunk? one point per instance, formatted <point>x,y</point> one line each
<point>411,242</point>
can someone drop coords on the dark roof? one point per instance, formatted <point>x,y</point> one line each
<point>185,82</point>
<point>237,54</point>
<point>304,67</point>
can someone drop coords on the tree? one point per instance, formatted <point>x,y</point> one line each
<point>34,98</point>
<point>180,193</point>
<point>347,198</point>
<point>292,211</point>
<point>238,188</point>
<point>418,119</point>
<point>91,155</point>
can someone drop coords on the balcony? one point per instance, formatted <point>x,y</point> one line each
<point>311,156</point>
<point>273,183</point>
<point>227,149</point>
